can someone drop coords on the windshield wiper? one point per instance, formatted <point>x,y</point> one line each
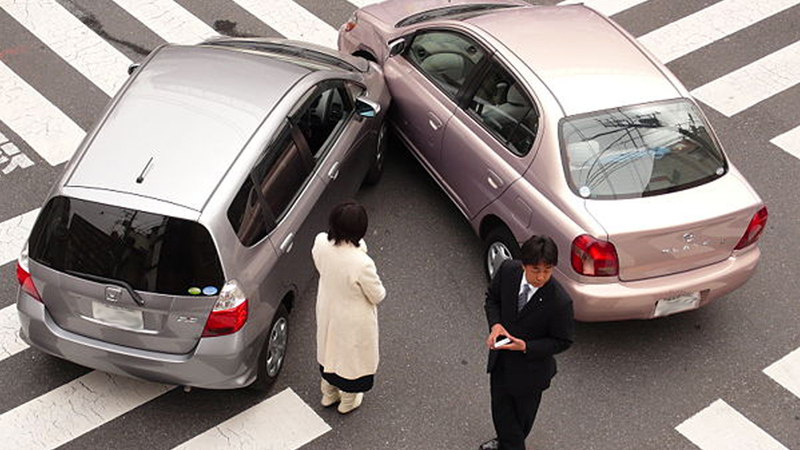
<point>136,297</point>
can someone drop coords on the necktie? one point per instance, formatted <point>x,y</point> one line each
<point>523,297</point>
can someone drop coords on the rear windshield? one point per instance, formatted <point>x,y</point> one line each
<point>462,11</point>
<point>150,252</point>
<point>639,151</point>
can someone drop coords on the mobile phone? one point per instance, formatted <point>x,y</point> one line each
<point>501,341</point>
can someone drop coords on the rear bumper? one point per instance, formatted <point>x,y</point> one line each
<point>223,362</point>
<point>637,299</point>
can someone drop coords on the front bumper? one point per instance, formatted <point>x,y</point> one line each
<point>222,362</point>
<point>637,299</point>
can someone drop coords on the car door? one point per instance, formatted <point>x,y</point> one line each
<point>487,144</point>
<point>425,82</point>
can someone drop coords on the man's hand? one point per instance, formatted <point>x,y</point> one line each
<point>497,330</point>
<point>517,345</point>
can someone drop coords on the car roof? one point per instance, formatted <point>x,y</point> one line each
<point>585,61</point>
<point>182,122</point>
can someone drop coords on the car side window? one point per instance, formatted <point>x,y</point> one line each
<point>323,116</point>
<point>446,57</point>
<point>246,214</point>
<point>502,105</point>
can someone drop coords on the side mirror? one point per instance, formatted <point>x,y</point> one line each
<point>397,46</point>
<point>132,68</point>
<point>367,108</point>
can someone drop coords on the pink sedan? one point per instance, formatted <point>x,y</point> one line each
<point>553,120</point>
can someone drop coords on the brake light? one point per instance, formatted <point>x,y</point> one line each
<point>593,257</point>
<point>229,313</point>
<point>24,275</point>
<point>350,24</point>
<point>754,229</point>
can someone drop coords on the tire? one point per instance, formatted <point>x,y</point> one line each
<point>274,347</point>
<point>381,148</point>
<point>499,245</point>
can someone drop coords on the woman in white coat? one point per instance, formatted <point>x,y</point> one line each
<point>347,316</point>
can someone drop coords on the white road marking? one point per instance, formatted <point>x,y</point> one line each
<point>74,42</point>
<point>607,7</point>
<point>720,427</point>
<point>10,342</point>
<point>363,3</point>
<point>786,372</point>
<point>73,409</point>
<point>291,20</point>
<point>697,30</point>
<point>12,157</point>
<point>281,422</point>
<point>753,83</point>
<point>13,234</point>
<point>169,20</point>
<point>789,141</point>
<point>49,131</point>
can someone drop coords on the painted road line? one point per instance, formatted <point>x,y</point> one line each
<point>789,141</point>
<point>607,7</point>
<point>74,409</point>
<point>720,427</point>
<point>753,83</point>
<point>11,157</point>
<point>74,42</point>
<point>291,20</point>
<point>53,135</point>
<point>13,234</point>
<point>363,3</point>
<point>169,20</point>
<point>281,422</point>
<point>10,342</point>
<point>786,371</point>
<point>708,25</point>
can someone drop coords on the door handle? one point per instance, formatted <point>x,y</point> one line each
<point>288,243</point>
<point>434,121</point>
<point>334,171</point>
<point>494,181</point>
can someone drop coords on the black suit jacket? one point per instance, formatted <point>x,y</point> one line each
<point>545,324</point>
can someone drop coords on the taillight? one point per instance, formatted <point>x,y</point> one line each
<point>229,313</point>
<point>24,275</point>
<point>350,24</point>
<point>754,229</point>
<point>593,257</point>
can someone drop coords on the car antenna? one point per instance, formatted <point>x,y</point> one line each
<point>140,178</point>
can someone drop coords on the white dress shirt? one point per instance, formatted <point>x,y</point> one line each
<point>531,288</point>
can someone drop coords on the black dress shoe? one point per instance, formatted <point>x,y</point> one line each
<point>490,445</point>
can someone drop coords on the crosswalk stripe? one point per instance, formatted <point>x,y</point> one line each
<point>73,409</point>
<point>789,141</point>
<point>786,372</point>
<point>291,20</point>
<point>720,427</point>
<point>169,20</point>
<point>281,422</point>
<point>607,7</point>
<point>753,83</point>
<point>52,134</point>
<point>70,39</point>
<point>697,30</point>
<point>10,342</point>
<point>13,234</point>
<point>363,3</point>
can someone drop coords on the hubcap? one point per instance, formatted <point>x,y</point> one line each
<point>497,253</point>
<point>276,348</point>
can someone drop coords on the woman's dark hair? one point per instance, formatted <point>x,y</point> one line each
<point>539,250</point>
<point>347,223</point>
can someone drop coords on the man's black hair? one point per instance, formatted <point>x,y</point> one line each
<point>347,223</point>
<point>539,250</point>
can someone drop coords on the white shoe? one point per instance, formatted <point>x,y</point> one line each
<point>350,401</point>
<point>330,394</point>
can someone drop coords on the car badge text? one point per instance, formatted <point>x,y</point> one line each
<point>690,241</point>
<point>113,293</point>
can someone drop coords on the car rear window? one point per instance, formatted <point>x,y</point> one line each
<point>639,151</point>
<point>150,252</point>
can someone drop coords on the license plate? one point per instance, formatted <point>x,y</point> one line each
<point>117,316</point>
<point>677,304</point>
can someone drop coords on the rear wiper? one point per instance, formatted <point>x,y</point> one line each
<point>136,297</point>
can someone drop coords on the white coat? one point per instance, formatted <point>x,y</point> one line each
<point>347,314</point>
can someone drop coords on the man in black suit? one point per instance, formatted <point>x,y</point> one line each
<point>527,306</point>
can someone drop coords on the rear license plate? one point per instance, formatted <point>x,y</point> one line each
<point>117,316</point>
<point>677,304</point>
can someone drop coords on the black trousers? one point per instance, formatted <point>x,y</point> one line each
<point>512,414</point>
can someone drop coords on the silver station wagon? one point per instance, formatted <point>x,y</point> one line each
<point>178,237</point>
<point>553,120</point>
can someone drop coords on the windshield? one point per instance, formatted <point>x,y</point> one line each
<point>639,151</point>
<point>447,12</point>
<point>146,252</point>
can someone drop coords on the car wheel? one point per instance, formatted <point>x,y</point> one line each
<point>381,147</point>
<point>499,246</point>
<point>273,353</point>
